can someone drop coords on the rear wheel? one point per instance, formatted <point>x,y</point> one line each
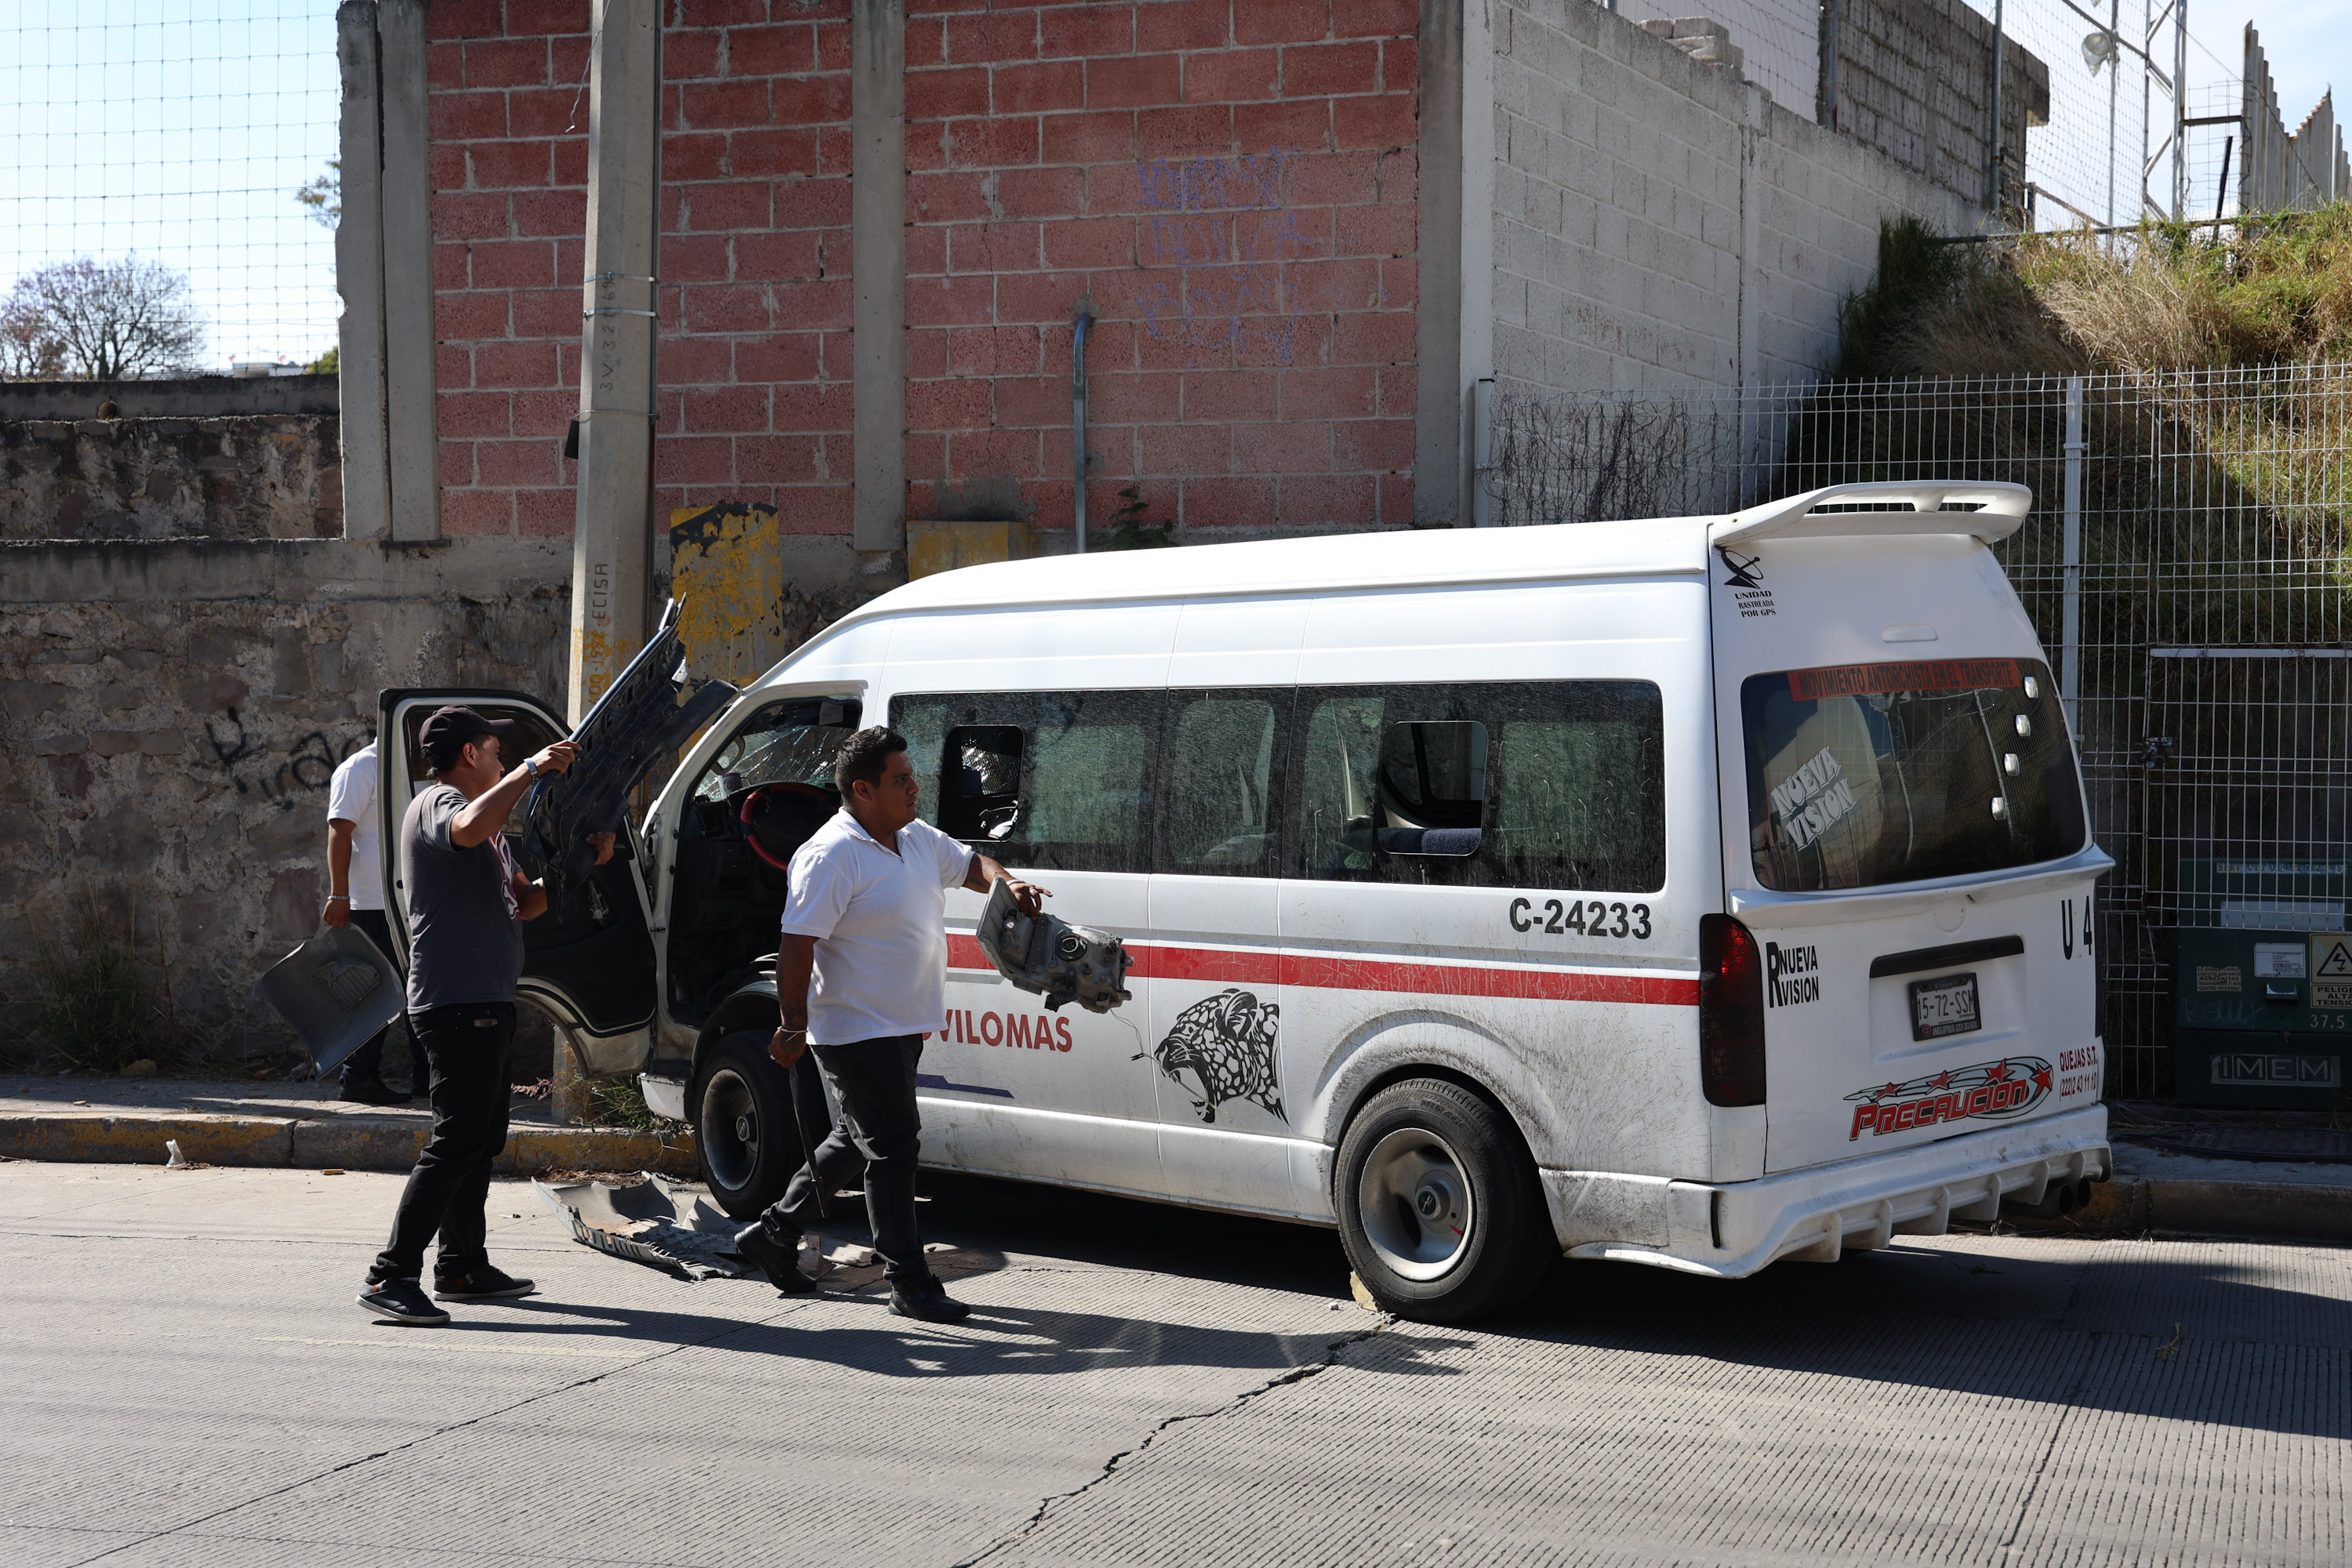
<point>743,1134</point>
<point>1439,1207</point>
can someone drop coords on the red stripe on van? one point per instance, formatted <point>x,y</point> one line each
<point>1158,962</point>
<point>1467,980</point>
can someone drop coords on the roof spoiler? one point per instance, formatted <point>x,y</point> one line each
<point>1988,512</point>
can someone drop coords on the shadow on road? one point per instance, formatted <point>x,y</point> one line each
<point>1025,1339</point>
<point>2212,1334</point>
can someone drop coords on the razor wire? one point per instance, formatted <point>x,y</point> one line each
<point>2196,594</point>
<point>176,138</point>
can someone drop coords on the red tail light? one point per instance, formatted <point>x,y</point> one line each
<point>1730,1013</point>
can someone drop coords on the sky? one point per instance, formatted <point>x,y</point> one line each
<point>179,130</point>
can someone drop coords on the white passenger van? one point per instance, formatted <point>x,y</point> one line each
<point>1696,892</point>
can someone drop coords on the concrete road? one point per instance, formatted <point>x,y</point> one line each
<point>183,1381</point>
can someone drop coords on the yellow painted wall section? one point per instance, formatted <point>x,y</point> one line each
<point>727,575</point>
<point>933,547</point>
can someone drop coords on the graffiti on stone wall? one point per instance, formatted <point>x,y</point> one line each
<point>278,774</point>
<point>1225,226</point>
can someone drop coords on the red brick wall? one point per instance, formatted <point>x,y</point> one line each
<point>1232,182</point>
<point>755,353</point>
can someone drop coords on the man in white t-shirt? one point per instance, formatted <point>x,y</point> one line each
<point>355,898</point>
<point>861,978</point>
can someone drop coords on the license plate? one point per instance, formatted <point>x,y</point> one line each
<point>1944,1005</point>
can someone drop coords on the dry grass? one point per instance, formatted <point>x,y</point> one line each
<point>93,1010</point>
<point>2161,299</point>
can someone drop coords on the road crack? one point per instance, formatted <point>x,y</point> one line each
<point>440,1432</point>
<point>1110,1467</point>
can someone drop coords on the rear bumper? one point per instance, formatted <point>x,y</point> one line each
<point>1735,1228</point>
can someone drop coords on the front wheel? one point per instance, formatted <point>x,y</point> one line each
<point>744,1139</point>
<point>1439,1207</point>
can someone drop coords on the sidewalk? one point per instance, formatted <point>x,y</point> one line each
<point>2163,1191</point>
<point>113,1121</point>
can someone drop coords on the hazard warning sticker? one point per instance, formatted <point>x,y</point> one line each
<point>2331,969</point>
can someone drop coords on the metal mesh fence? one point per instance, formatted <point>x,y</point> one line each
<point>2186,564</point>
<point>150,157</point>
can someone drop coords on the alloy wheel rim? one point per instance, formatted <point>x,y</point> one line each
<point>730,1123</point>
<point>1415,1203</point>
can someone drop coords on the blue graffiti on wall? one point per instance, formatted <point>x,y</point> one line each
<point>1225,226</point>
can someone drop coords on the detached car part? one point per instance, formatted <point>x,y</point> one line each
<point>337,990</point>
<point>1047,955</point>
<point>637,720</point>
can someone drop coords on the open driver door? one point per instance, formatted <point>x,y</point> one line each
<point>588,960</point>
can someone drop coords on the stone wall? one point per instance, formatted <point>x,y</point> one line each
<point>260,476</point>
<point>170,714</point>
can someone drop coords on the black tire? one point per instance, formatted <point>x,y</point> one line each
<point>1418,1156</point>
<point>744,1139</point>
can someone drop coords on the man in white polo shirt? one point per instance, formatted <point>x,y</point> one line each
<point>861,978</point>
<point>355,897</point>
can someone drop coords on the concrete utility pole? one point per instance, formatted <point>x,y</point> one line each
<point>612,548</point>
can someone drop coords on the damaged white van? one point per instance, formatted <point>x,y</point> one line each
<point>1696,892</point>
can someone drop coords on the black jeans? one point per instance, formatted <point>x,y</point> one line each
<point>466,1047</point>
<point>367,1062</point>
<point>874,1081</point>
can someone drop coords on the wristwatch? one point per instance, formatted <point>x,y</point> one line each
<point>531,767</point>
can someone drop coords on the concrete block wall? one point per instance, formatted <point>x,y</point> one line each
<point>1659,224</point>
<point>754,356</point>
<point>1780,39</point>
<point>1915,84</point>
<point>1232,185</point>
<point>1237,189</point>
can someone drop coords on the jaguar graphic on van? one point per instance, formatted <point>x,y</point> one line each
<point>2008,1088</point>
<point>1495,895</point>
<point>1226,1043</point>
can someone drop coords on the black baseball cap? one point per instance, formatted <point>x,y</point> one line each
<point>445,734</point>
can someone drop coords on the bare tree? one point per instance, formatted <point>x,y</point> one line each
<point>92,320</point>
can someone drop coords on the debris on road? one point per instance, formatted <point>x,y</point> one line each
<point>661,1224</point>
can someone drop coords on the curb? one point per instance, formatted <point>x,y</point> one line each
<point>2145,1205</point>
<point>351,1145</point>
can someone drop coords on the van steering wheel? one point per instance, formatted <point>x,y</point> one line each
<point>784,813</point>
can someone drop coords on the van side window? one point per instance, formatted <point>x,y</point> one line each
<point>1048,780</point>
<point>1529,784</point>
<point>1223,760</point>
<point>980,782</point>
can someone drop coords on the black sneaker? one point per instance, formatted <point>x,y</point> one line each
<point>482,1282</point>
<point>402,1301</point>
<point>371,1091</point>
<point>780,1263</point>
<point>927,1300</point>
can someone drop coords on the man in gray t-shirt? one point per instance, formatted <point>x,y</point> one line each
<point>466,905</point>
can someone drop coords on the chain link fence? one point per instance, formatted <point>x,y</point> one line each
<point>2185,565</point>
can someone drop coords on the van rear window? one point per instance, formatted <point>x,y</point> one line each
<point>1865,775</point>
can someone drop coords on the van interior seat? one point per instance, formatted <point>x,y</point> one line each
<point>1431,840</point>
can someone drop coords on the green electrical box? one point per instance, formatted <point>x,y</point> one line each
<point>2264,1019</point>
<point>2263,992</point>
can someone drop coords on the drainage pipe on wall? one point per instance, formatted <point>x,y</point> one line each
<point>1078,415</point>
